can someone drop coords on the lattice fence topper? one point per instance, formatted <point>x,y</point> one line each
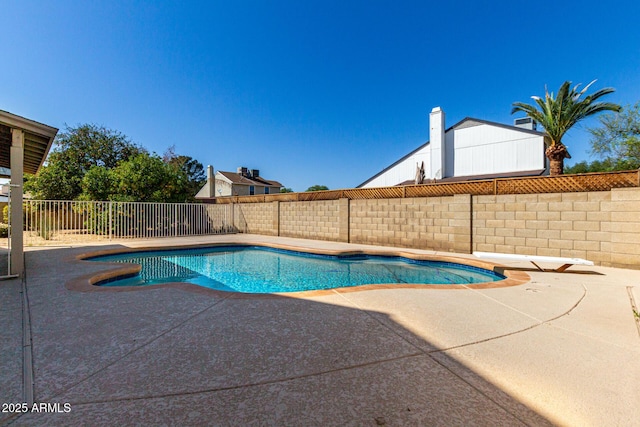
<point>449,189</point>
<point>320,195</point>
<point>600,181</point>
<point>374,193</point>
<point>568,183</point>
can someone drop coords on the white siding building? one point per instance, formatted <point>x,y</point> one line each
<point>470,149</point>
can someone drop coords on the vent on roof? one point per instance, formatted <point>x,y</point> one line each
<point>255,173</point>
<point>242,171</point>
<point>525,123</point>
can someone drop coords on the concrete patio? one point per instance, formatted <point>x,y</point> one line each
<point>562,349</point>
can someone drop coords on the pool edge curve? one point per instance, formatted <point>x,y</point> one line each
<point>112,271</point>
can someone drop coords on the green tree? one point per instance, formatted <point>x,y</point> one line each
<point>193,168</point>
<point>595,166</point>
<point>286,190</point>
<point>617,140</point>
<point>558,114</point>
<point>143,178</point>
<point>75,152</point>
<point>98,183</point>
<point>57,180</point>
<point>317,188</point>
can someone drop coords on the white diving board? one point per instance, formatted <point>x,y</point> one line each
<point>533,259</point>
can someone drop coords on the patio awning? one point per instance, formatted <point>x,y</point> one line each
<point>38,139</point>
<point>24,144</point>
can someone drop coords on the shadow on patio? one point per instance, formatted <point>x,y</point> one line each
<point>167,356</point>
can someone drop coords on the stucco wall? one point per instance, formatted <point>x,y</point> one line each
<point>224,188</point>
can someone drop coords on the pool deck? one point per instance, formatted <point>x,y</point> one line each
<point>560,349</point>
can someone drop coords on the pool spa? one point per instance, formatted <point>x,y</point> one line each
<point>262,270</point>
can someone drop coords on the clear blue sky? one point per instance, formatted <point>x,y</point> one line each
<point>309,92</point>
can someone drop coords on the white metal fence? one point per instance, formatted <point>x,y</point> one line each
<point>55,221</point>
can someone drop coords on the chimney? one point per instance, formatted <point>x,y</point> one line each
<point>436,143</point>
<point>242,171</point>
<point>525,123</point>
<point>255,173</point>
<point>211,182</point>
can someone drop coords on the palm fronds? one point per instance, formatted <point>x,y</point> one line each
<point>558,114</point>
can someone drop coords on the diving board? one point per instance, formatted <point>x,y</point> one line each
<point>533,259</point>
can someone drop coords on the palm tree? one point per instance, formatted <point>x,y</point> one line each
<point>557,115</point>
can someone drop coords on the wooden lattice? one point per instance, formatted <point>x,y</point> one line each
<point>223,200</point>
<point>450,188</point>
<point>258,198</point>
<point>282,197</point>
<point>374,193</point>
<point>320,195</point>
<point>567,183</point>
<point>531,185</point>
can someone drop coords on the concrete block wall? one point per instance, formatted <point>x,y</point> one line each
<point>575,225</point>
<point>256,218</point>
<point>624,211</point>
<point>438,223</point>
<point>311,220</point>
<point>603,227</point>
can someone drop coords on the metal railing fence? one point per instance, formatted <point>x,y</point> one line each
<point>56,221</point>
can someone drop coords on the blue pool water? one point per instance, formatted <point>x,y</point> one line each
<point>266,270</point>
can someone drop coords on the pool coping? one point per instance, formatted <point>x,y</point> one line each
<point>87,282</point>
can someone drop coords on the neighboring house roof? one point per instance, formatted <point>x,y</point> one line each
<point>466,122</point>
<point>490,123</point>
<point>208,189</point>
<point>536,172</point>
<point>236,178</point>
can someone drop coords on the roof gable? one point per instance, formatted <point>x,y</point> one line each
<point>400,160</point>
<point>467,122</point>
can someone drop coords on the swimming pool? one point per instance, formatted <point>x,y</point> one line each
<point>253,269</point>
